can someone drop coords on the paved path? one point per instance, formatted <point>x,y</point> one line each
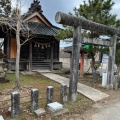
<point>87,91</point>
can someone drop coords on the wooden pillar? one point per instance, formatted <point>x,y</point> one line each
<point>8,46</point>
<point>30,55</point>
<point>52,47</point>
<point>82,64</point>
<point>110,73</point>
<point>74,65</point>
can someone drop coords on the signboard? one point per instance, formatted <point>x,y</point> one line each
<point>104,65</point>
<point>105,59</point>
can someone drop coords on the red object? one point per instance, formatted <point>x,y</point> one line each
<point>82,64</point>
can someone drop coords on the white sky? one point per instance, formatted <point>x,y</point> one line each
<point>51,7</point>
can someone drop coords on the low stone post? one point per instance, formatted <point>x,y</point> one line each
<point>15,104</point>
<point>50,94</point>
<point>63,93</point>
<point>34,99</point>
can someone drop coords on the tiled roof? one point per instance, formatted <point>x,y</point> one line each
<point>39,29</point>
<point>69,49</point>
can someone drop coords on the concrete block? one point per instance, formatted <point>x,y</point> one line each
<point>55,106</point>
<point>39,112</point>
<point>1,118</point>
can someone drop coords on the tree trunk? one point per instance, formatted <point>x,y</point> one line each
<point>93,67</point>
<point>17,82</point>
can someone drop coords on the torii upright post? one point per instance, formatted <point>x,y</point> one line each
<point>111,62</point>
<point>75,63</point>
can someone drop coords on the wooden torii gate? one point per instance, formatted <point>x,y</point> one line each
<point>78,24</point>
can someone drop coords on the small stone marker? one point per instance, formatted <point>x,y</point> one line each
<point>1,118</point>
<point>50,94</point>
<point>55,106</point>
<point>63,93</point>
<point>34,100</point>
<point>15,104</point>
<point>39,112</point>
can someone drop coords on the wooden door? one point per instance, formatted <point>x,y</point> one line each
<point>38,54</point>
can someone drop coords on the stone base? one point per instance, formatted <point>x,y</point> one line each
<point>55,106</point>
<point>39,112</point>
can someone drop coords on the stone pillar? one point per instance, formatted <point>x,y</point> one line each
<point>15,104</point>
<point>34,99</point>
<point>52,48</point>
<point>50,94</point>
<point>63,93</point>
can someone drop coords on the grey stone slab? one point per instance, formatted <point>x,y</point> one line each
<point>1,118</point>
<point>55,106</point>
<point>39,112</point>
<point>87,91</point>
